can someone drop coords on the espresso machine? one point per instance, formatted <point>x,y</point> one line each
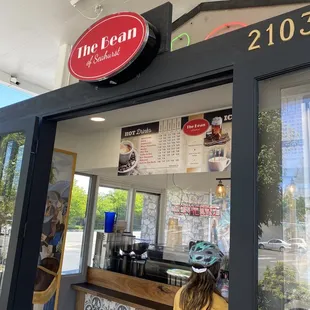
<point>121,253</point>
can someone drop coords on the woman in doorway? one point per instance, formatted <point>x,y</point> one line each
<point>201,293</point>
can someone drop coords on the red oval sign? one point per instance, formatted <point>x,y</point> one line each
<point>196,127</point>
<point>108,46</point>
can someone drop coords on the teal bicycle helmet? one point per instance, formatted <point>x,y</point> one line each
<point>205,254</point>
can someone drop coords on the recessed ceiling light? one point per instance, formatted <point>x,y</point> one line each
<point>97,119</point>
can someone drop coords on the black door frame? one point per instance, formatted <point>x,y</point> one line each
<point>29,127</point>
<point>199,66</point>
<point>255,66</point>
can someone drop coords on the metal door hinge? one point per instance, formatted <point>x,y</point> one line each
<point>35,148</point>
<point>25,228</point>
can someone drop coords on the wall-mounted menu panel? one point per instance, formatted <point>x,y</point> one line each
<point>195,143</point>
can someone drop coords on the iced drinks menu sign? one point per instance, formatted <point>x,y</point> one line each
<point>195,143</point>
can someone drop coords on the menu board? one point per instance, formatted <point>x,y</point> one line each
<point>188,144</point>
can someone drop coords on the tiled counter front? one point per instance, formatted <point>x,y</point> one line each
<point>98,303</point>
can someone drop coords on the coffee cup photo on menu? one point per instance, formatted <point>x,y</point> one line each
<point>219,163</point>
<point>125,152</point>
<point>128,158</point>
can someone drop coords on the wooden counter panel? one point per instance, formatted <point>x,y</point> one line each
<point>157,292</point>
<point>80,300</point>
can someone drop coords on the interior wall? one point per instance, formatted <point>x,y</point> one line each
<point>96,150</point>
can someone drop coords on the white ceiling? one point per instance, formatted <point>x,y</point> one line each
<point>200,101</point>
<point>32,31</point>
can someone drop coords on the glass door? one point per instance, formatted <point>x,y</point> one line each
<point>17,148</point>
<point>270,167</point>
<point>284,192</point>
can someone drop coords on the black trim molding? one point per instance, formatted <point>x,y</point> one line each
<point>230,5</point>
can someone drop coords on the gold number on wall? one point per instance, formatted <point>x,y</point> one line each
<point>291,24</point>
<point>257,35</point>
<point>270,31</point>
<point>303,32</point>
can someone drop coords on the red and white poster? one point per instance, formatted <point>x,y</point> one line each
<point>188,144</point>
<point>196,210</point>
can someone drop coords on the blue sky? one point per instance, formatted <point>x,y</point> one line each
<point>10,95</point>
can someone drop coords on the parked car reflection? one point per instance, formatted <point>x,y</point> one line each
<point>298,244</point>
<point>275,245</point>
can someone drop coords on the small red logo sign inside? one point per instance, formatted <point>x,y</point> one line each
<point>108,46</point>
<point>196,127</point>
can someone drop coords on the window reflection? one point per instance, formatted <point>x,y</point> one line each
<point>283,196</point>
<point>76,225</point>
<point>109,199</point>
<point>11,153</point>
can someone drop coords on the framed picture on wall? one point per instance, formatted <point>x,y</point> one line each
<point>54,230</point>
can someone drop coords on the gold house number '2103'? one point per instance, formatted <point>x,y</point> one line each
<point>287,31</point>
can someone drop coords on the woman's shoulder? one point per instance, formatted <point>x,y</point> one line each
<point>177,299</point>
<point>178,293</point>
<point>219,303</point>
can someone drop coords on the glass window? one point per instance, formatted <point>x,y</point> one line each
<point>145,216</point>
<point>284,193</point>
<point>193,216</point>
<point>109,199</point>
<point>76,225</point>
<point>11,153</point>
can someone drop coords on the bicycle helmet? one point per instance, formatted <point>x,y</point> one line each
<point>205,254</point>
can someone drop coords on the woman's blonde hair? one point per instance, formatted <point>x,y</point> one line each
<point>198,292</point>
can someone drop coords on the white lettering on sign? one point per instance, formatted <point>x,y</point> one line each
<point>227,117</point>
<point>87,50</point>
<point>138,132</point>
<point>195,126</point>
<point>130,133</point>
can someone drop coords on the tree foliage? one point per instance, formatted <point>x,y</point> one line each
<point>77,206</point>
<point>11,151</point>
<point>111,200</point>
<point>270,168</point>
<point>280,285</point>
<point>273,206</point>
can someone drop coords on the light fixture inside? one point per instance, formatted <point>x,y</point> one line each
<point>97,119</point>
<point>220,190</point>
<point>292,187</point>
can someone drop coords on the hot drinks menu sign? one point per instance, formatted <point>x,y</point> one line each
<point>195,143</point>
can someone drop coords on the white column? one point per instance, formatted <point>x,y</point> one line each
<point>306,165</point>
<point>162,216</point>
<point>63,77</point>
<point>130,209</point>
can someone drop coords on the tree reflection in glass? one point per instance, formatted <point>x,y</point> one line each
<point>283,197</point>
<point>11,153</point>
